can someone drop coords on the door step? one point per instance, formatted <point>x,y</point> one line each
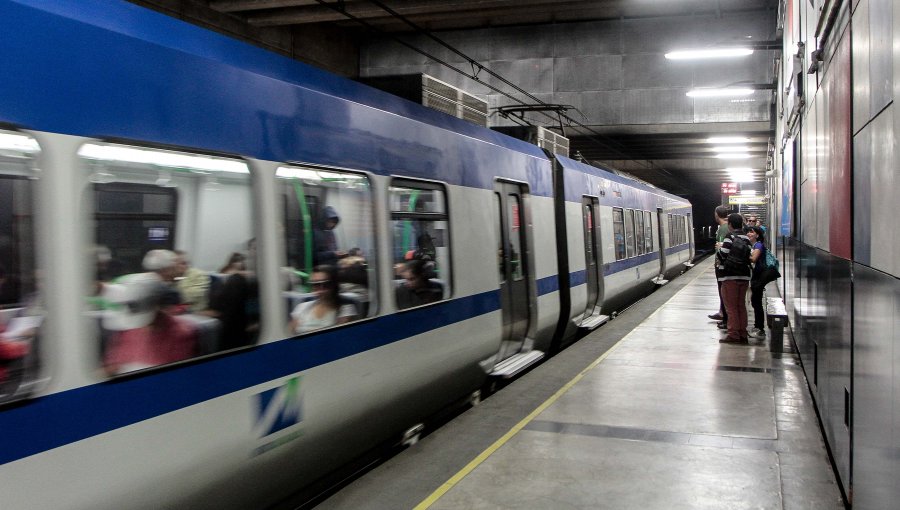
<point>592,322</point>
<point>515,364</point>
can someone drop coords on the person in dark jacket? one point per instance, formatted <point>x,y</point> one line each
<point>757,281</point>
<point>735,281</point>
<point>326,248</point>
<point>417,289</point>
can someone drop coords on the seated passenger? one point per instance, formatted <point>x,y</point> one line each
<point>192,283</point>
<point>142,334</point>
<point>417,289</point>
<point>327,309</point>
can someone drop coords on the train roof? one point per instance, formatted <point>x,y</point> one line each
<point>116,70</point>
<point>577,166</point>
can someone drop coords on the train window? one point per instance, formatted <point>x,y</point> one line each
<point>501,260</point>
<point>589,232</point>
<point>648,232</point>
<point>329,238</point>
<point>639,232</point>
<point>421,244</point>
<point>619,232</point>
<point>21,306</point>
<point>670,224</point>
<point>174,255</point>
<point>629,233</point>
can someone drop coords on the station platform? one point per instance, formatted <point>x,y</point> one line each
<point>649,411</point>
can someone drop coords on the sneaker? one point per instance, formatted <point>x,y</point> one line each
<point>729,340</point>
<point>722,325</point>
<point>716,316</point>
<point>758,333</point>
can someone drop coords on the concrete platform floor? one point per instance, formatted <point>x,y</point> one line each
<point>649,411</point>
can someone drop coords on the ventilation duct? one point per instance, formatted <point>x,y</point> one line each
<point>542,137</point>
<point>435,94</point>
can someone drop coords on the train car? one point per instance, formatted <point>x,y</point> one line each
<point>350,263</point>
<point>617,238</point>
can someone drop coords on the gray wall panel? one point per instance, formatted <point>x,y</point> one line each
<point>534,75</point>
<point>884,185</point>
<point>881,72</point>
<point>603,108</point>
<point>650,106</point>
<point>862,190</point>
<point>876,389</point>
<point>755,108</point>
<point>861,88</point>
<point>603,72</point>
<point>580,39</point>
<point>522,43</point>
<point>652,70</point>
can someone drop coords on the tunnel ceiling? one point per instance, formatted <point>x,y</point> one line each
<point>665,143</point>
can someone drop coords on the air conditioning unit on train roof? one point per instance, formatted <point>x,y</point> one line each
<point>540,136</point>
<point>435,94</point>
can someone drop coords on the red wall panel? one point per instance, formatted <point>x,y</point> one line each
<point>839,128</point>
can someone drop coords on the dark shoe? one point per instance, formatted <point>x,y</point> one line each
<point>722,325</point>
<point>745,340</point>
<point>729,340</point>
<point>716,316</point>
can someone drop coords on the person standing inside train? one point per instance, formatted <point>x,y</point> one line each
<point>722,220</point>
<point>734,261</point>
<point>327,252</point>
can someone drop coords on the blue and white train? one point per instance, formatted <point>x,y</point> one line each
<point>124,131</point>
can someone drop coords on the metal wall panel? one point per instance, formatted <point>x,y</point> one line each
<point>884,186</point>
<point>603,108</point>
<point>534,74</point>
<point>840,150</point>
<point>522,43</point>
<point>862,112</point>
<point>833,335</point>
<point>881,61</point>
<point>863,155</point>
<point>652,70</point>
<point>581,39</point>
<point>598,72</point>
<point>651,106</point>
<point>876,389</point>
<point>751,108</point>
<point>822,175</point>
<point>807,199</point>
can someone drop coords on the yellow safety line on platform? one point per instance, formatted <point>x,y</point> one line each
<point>449,484</point>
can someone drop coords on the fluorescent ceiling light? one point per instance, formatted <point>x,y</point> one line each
<point>726,92</point>
<point>748,192</point>
<point>19,143</point>
<point>738,174</point>
<point>733,155</point>
<point>709,53</point>
<point>731,148</point>
<point>728,139</point>
<point>161,158</point>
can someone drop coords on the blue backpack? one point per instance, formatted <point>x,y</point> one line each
<point>772,262</point>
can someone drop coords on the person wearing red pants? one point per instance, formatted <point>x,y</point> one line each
<point>734,260</point>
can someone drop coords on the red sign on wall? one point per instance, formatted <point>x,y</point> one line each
<point>729,188</point>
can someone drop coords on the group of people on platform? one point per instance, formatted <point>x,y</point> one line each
<point>741,265</point>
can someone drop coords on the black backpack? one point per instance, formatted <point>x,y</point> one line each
<point>738,258</point>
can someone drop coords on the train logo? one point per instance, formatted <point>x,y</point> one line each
<point>279,408</point>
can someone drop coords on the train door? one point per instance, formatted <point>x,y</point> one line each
<point>593,258</point>
<point>661,229</point>
<point>692,246</point>
<point>513,267</point>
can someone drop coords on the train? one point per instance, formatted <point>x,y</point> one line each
<point>126,135</point>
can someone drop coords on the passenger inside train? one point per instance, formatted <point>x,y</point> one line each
<point>328,308</point>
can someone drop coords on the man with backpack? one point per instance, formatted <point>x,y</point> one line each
<point>734,274</point>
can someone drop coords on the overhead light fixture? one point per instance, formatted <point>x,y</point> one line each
<point>194,162</point>
<point>728,139</point>
<point>748,192</point>
<point>731,148</point>
<point>740,174</point>
<point>708,53</point>
<point>724,92</point>
<point>733,155</point>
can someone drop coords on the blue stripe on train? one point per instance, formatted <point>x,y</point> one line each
<point>62,418</point>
